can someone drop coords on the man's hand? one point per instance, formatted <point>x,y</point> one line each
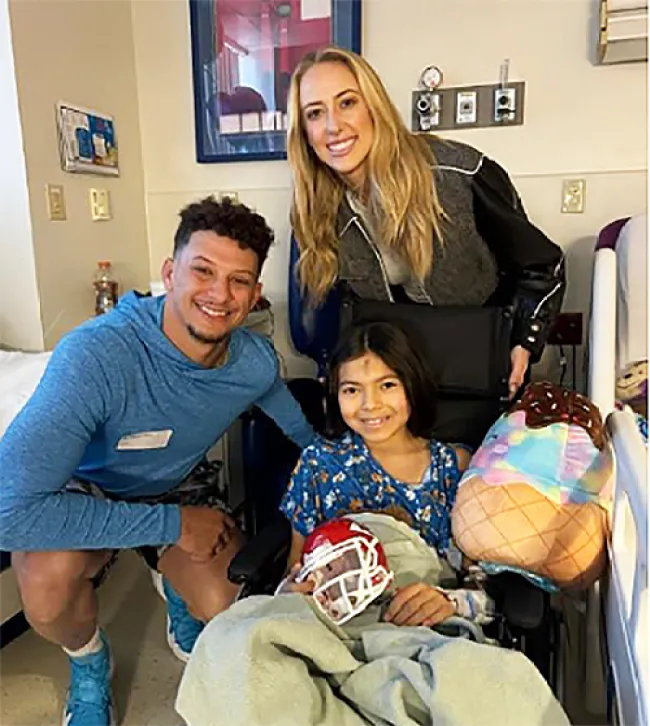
<point>204,532</point>
<point>419,604</point>
<point>519,360</point>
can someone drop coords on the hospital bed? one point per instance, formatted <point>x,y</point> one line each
<point>19,374</point>
<point>618,336</point>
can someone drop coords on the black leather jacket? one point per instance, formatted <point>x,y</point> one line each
<point>492,253</point>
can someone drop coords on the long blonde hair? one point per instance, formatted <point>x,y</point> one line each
<point>402,197</point>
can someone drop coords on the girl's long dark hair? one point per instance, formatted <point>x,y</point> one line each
<point>401,353</point>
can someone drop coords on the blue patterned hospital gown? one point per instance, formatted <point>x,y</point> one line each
<point>334,478</point>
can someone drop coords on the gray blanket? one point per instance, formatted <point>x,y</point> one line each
<point>276,661</point>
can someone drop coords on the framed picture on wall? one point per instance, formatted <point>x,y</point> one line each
<point>243,55</point>
<point>87,140</point>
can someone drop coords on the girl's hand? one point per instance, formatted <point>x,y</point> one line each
<point>519,360</point>
<point>419,604</point>
<point>289,584</point>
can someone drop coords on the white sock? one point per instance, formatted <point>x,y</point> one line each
<point>94,645</point>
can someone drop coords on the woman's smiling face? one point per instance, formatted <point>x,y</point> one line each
<point>337,120</point>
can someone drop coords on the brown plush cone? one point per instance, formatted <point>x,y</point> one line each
<point>517,525</point>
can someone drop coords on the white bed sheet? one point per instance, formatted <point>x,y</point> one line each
<point>19,376</point>
<point>632,293</point>
<point>602,332</point>
<point>618,328</point>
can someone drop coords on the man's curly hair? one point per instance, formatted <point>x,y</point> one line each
<point>227,219</point>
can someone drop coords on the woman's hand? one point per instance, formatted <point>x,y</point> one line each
<point>289,584</point>
<point>519,359</point>
<point>419,604</point>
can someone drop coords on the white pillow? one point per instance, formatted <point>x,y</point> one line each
<point>19,376</point>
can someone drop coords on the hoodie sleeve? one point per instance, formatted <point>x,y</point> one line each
<point>282,407</point>
<point>40,452</point>
<point>524,254</point>
<point>278,403</point>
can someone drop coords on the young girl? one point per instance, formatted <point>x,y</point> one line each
<point>382,458</point>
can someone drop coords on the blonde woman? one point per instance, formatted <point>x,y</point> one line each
<point>389,215</point>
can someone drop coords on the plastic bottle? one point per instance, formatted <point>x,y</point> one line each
<point>105,288</point>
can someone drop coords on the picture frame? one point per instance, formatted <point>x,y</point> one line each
<point>243,54</point>
<point>87,140</point>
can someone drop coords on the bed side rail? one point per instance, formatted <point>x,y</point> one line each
<point>627,599</point>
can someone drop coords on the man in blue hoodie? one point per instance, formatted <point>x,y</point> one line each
<point>108,453</point>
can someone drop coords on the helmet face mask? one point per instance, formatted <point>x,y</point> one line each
<point>348,567</point>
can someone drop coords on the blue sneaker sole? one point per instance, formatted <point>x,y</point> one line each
<point>184,657</point>
<point>175,648</point>
<point>112,721</point>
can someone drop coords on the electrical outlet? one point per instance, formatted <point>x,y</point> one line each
<point>573,196</point>
<point>505,104</point>
<point>567,330</point>
<point>100,208</point>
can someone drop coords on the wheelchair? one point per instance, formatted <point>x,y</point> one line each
<point>471,370</point>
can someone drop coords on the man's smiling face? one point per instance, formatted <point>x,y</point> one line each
<point>212,284</point>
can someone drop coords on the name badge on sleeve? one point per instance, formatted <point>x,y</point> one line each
<point>145,440</point>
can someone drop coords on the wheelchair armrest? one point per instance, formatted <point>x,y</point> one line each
<point>521,603</point>
<point>264,556</point>
<point>525,607</point>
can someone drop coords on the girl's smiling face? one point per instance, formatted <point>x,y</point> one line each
<point>372,399</point>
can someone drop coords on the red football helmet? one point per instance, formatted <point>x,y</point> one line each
<point>348,566</point>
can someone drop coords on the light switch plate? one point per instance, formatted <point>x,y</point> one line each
<point>573,196</point>
<point>233,196</point>
<point>55,199</point>
<point>99,205</point>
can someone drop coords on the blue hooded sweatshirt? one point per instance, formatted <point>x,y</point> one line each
<point>120,406</point>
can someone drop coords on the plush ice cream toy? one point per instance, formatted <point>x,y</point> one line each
<point>535,496</point>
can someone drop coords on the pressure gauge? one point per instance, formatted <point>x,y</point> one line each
<point>431,77</point>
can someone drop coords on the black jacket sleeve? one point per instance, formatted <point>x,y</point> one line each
<point>531,267</point>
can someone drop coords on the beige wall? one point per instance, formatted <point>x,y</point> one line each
<point>172,176</point>
<point>20,316</point>
<point>581,120</point>
<point>79,51</point>
<point>579,117</point>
